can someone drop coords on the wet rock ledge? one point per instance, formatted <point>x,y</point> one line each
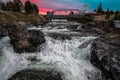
<point>36,75</point>
<point>106,56</point>
<point>24,40</point>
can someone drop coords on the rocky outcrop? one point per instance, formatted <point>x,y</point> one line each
<point>36,75</point>
<point>106,25</point>
<point>106,56</point>
<point>99,27</point>
<point>60,36</point>
<point>23,40</point>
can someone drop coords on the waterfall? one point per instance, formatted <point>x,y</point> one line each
<point>69,57</point>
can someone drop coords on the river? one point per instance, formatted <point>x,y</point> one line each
<point>70,57</point>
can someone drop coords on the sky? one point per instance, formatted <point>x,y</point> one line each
<point>48,5</point>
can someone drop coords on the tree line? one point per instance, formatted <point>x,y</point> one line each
<point>108,12</point>
<point>18,6</point>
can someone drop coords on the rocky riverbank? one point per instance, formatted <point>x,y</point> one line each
<point>15,25</point>
<point>106,56</point>
<point>24,40</point>
<point>106,50</point>
<point>8,18</point>
<point>36,75</point>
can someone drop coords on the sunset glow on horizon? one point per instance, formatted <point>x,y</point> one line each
<point>44,10</point>
<point>47,5</point>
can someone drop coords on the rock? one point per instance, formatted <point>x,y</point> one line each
<point>36,75</point>
<point>88,25</point>
<point>72,27</point>
<point>23,40</point>
<point>105,25</point>
<point>106,56</point>
<point>86,18</point>
<point>59,36</point>
<point>85,44</point>
<point>36,37</point>
<point>3,31</point>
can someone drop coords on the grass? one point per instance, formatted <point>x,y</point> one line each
<point>8,17</point>
<point>102,17</point>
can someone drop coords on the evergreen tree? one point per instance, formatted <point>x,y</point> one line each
<point>3,6</point>
<point>107,11</point>
<point>10,6</point>
<point>17,5</point>
<point>95,10</point>
<point>99,9</point>
<point>111,11</point>
<point>117,12</point>
<point>28,7</point>
<point>71,13</point>
<point>35,9</point>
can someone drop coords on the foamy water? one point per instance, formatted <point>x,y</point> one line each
<point>66,57</point>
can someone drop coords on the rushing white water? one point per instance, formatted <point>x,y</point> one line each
<point>68,57</point>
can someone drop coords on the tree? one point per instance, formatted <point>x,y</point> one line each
<point>35,9</point>
<point>28,7</point>
<point>99,9</point>
<point>107,11</point>
<point>71,13</point>
<point>3,6</point>
<point>10,6</point>
<point>117,12</point>
<point>17,5</point>
<point>95,10</point>
<point>111,11</point>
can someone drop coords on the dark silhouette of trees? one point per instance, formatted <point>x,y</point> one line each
<point>3,6</point>
<point>111,12</point>
<point>14,5</point>
<point>17,6</point>
<point>35,9</point>
<point>117,15</point>
<point>10,6</point>
<point>28,7</point>
<point>107,11</point>
<point>117,12</point>
<point>31,8</point>
<point>71,13</point>
<point>99,9</point>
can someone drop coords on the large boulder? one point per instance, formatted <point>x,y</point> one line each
<point>36,37</point>
<point>36,75</point>
<point>23,40</point>
<point>106,56</point>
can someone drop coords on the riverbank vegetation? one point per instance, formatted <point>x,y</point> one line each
<point>106,14</point>
<point>8,17</point>
<point>15,11</point>
<point>18,6</point>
